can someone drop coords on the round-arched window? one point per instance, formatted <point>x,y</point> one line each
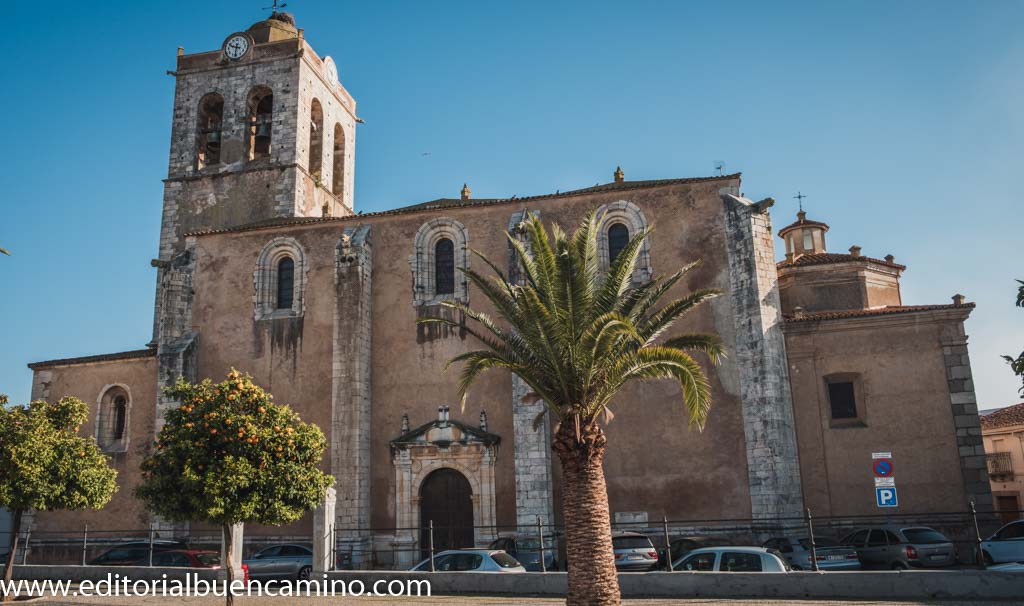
<point>618,239</point>
<point>444,267</point>
<point>285,283</point>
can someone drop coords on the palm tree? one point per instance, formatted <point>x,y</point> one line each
<point>576,337</point>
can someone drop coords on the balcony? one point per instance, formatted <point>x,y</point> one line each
<point>1000,466</point>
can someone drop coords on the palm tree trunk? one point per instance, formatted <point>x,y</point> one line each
<point>229,565</point>
<point>591,563</point>
<point>9,566</point>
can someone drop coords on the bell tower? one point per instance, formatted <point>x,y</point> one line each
<point>261,130</point>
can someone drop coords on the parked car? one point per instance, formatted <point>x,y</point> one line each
<point>831,555</point>
<point>732,559</point>
<point>683,545</point>
<point>1006,545</point>
<point>1011,567</point>
<point>183,558</point>
<point>132,552</point>
<point>471,560</point>
<point>901,547</point>
<point>526,549</point>
<point>634,552</point>
<point>281,562</point>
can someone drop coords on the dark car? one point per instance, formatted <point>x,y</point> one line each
<point>901,547</point>
<point>634,552</point>
<point>183,558</point>
<point>281,562</point>
<point>526,548</point>
<point>133,552</point>
<point>681,546</point>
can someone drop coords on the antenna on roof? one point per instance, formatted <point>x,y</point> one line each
<point>719,166</point>
<point>799,197</point>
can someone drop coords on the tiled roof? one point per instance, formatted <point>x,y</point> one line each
<point>827,258</point>
<point>124,355</point>
<point>1004,417</point>
<point>814,316</point>
<point>459,203</point>
<point>803,223</point>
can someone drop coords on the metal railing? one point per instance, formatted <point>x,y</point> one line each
<point>1000,465</point>
<point>393,548</point>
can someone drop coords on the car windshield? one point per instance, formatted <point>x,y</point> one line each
<point>632,543</point>
<point>208,559</point>
<point>504,560</point>
<point>806,543</point>
<point>923,536</point>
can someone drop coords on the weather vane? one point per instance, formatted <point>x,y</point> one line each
<point>275,6</point>
<point>800,199</point>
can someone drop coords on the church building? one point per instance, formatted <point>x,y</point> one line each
<point>266,265</point>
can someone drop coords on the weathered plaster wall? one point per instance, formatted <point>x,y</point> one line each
<point>88,382</point>
<point>649,463</point>
<point>905,409</point>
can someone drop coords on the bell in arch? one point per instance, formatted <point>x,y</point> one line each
<point>213,136</point>
<point>263,130</point>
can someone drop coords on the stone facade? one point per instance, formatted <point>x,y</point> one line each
<point>772,464</point>
<point>350,356</point>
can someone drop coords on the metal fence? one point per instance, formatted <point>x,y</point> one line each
<point>401,548</point>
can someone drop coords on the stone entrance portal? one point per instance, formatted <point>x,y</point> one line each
<point>444,471</point>
<point>446,499</point>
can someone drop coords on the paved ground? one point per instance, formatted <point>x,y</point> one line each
<point>466,601</point>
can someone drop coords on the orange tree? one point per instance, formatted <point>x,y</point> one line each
<point>46,465</point>
<point>228,454</point>
<point>576,337</point>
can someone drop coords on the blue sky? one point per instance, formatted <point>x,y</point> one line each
<point>901,121</point>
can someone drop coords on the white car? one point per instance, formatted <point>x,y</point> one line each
<point>731,559</point>
<point>1006,545</point>
<point>472,560</point>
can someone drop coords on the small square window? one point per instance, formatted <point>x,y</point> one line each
<point>842,400</point>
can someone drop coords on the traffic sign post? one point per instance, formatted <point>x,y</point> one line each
<point>885,484</point>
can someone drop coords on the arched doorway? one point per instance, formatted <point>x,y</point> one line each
<point>446,499</point>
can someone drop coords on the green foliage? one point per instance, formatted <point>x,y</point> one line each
<point>575,336</point>
<point>46,465</point>
<point>1017,364</point>
<point>228,454</point>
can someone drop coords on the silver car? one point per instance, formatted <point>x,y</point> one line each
<point>634,552</point>
<point>281,562</point>
<point>471,560</point>
<point>902,547</point>
<point>731,559</point>
<point>1006,545</point>
<point>830,554</point>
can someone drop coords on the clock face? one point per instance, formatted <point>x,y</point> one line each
<point>236,47</point>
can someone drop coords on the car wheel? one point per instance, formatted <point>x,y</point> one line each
<point>988,558</point>
<point>305,572</point>
<point>899,566</point>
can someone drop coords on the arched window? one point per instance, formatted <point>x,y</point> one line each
<point>618,222</point>
<point>112,415</point>
<point>316,140</point>
<point>261,118</point>
<point>120,415</point>
<point>444,267</point>
<point>440,250</point>
<point>338,179</point>
<point>280,279</point>
<point>285,283</point>
<point>618,239</point>
<point>208,137</point>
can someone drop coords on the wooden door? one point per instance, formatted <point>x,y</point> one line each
<point>445,499</point>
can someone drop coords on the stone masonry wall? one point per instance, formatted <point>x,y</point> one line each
<point>772,465</point>
<point>965,418</point>
<point>350,404</point>
<point>532,445</point>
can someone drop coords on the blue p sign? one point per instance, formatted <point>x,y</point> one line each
<point>886,496</point>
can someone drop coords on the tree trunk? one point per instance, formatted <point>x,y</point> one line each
<point>591,564</point>
<point>11,553</point>
<point>229,565</point>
